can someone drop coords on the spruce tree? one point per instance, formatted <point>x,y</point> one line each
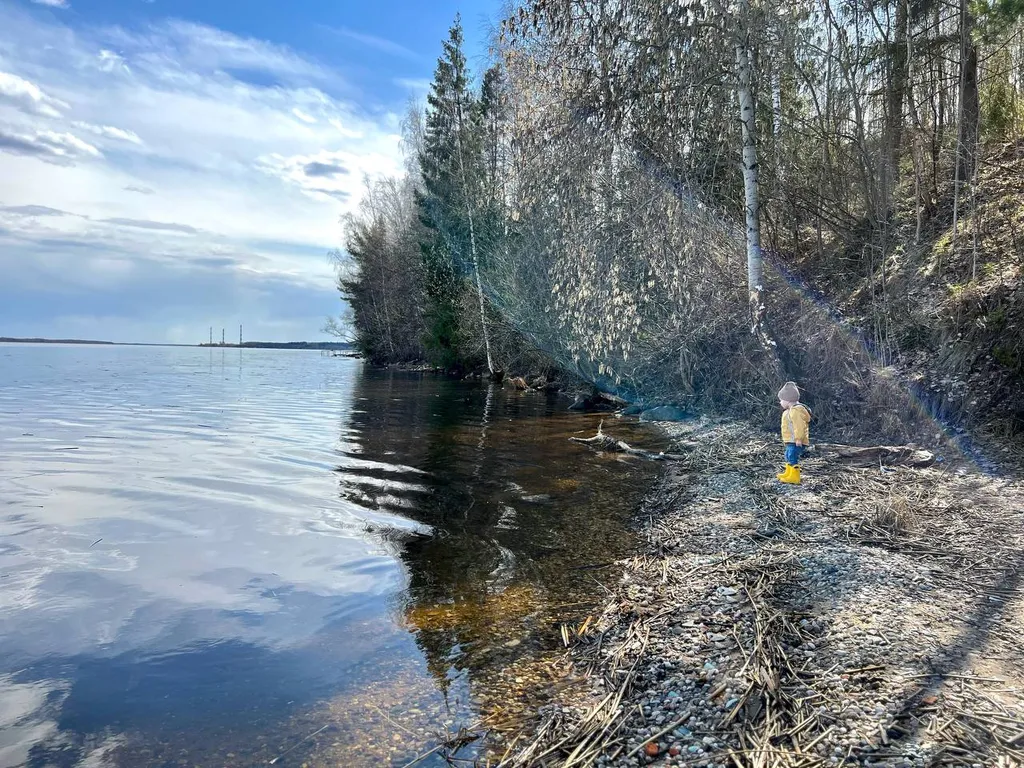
<point>450,168</point>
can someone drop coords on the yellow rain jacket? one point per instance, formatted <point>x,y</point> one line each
<point>796,424</point>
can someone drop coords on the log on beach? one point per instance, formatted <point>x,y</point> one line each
<point>890,455</point>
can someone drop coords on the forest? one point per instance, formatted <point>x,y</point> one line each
<point>687,201</point>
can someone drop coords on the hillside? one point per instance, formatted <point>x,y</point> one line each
<point>947,322</point>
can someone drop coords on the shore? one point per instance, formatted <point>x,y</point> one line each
<point>870,616</point>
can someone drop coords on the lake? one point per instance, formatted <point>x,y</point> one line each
<point>219,557</point>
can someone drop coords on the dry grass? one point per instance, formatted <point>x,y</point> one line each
<point>896,514</point>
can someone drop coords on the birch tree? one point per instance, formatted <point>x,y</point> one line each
<point>752,209</point>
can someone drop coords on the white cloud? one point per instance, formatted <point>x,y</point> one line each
<point>344,130</point>
<point>109,131</point>
<point>176,47</point>
<point>27,96</point>
<point>53,3</point>
<point>334,174</point>
<point>259,168</point>
<point>31,210</point>
<point>384,45</point>
<point>163,226</point>
<point>48,146</point>
<point>419,86</point>
<point>111,62</point>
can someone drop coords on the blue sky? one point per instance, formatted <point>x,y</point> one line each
<point>168,165</point>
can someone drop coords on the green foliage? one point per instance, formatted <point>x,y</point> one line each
<point>379,271</point>
<point>1008,358</point>
<point>443,291</point>
<point>456,186</point>
<point>489,126</point>
<point>996,319</point>
<point>442,199</point>
<point>995,17</point>
<point>1002,113</point>
<point>409,248</point>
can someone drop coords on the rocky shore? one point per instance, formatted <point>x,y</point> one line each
<point>871,616</point>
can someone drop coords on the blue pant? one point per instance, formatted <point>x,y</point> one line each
<point>793,453</point>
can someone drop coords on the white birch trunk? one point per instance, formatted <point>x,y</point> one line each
<point>472,246</point>
<point>749,165</point>
<point>479,285</point>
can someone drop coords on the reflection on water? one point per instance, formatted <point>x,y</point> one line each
<point>208,555</point>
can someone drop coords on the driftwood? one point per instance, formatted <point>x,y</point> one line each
<point>603,442</point>
<point>613,399</point>
<point>902,455</point>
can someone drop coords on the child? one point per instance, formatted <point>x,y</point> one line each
<point>796,419</point>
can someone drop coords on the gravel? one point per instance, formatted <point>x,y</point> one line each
<point>867,617</point>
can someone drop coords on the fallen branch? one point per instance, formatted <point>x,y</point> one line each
<point>299,743</point>
<point>903,455</point>
<point>603,442</point>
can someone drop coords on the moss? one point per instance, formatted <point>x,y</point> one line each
<point>996,319</point>
<point>1007,357</point>
<point>943,243</point>
<point>956,290</point>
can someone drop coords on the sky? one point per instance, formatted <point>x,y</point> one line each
<point>171,165</point>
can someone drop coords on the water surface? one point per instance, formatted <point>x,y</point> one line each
<point>207,555</point>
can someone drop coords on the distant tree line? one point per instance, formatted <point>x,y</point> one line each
<point>338,346</point>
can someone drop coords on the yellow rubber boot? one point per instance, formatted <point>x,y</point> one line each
<point>793,477</point>
<point>784,474</point>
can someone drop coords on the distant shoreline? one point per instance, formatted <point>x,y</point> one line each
<point>334,346</point>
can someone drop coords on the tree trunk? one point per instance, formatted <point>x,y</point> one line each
<point>939,100</point>
<point>968,110</point>
<point>479,286</point>
<point>917,131</point>
<point>472,239</point>
<point>897,91</point>
<point>755,283</point>
<point>971,109</point>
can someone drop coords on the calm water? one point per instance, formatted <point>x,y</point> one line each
<point>208,555</point>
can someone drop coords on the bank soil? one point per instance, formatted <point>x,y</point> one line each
<point>870,616</point>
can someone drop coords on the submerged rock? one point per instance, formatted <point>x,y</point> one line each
<point>592,404</point>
